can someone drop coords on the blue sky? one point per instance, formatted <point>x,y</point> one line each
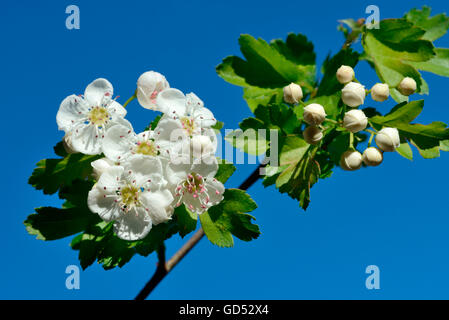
<point>395,216</point>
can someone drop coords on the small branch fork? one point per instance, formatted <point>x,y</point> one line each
<point>164,267</point>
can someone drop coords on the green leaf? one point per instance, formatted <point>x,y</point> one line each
<point>424,136</point>
<point>49,223</point>
<point>249,141</point>
<point>153,124</point>
<point>218,126</point>
<point>225,170</point>
<point>293,148</point>
<point>439,64</point>
<point>444,145</point>
<point>187,220</point>
<point>52,174</point>
<point>270,67</point>
<point>298,179</point>
<point>428,153</point>
<point>435,27</point>
<point>393,48</point>
<point>405,151</point>
<point>216,233</point>
<point>402,113</point>
<point>229,218</point>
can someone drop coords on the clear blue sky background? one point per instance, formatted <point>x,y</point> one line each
<point>395,216</point>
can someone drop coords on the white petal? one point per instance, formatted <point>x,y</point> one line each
<point>85,139</point>
<point>167,132</point>
<point>98,90</point>
<point>177,172</point>
<point>72,110</point>
<point>118,142</point>
<point>204,118</point>
<point>100,166</point>
<point>146,135</point>
<point>193,204</point>
<point>133,225</point>
<point>105,207</point>
<point>158,204</point>
<point>143,168</point>
<point>207,166</point>
<point>215,190</point>
<point>171,101</point>
<point>115,108</point>
<point>111,178</point>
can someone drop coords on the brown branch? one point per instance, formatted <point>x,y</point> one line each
<point>163,268</point>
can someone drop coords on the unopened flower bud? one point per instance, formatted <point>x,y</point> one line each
<point>380,92</point>
<point>149,85</point>
<point>312,135</point>
<point>67,144</point>
<point>314,114</point>
<point>201,145</point>
<point>372,157</point>
<point>353,94</point>
<point>345,74</point>
<point>355,120</point>
<point>351,160</point>
<point>407,86</point>
<point>388,139</point>
<point>292,93</point>
<point>100,165</point>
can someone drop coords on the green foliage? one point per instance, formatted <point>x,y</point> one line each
<point>423,136</point>
<point>52,174</point>
<point>402,47</point>
<point>398,48</point>
<point>269,67</point>
<point>230,218</point>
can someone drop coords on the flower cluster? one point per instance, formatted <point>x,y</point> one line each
<point>353,95</point>
<point>144,176</point>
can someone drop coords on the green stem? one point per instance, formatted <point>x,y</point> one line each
<point>371,138</point>
<point>351,140</point>
<point>130,99</point>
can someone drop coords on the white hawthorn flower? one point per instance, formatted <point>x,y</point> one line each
<point>149,85</point>
<point>185,117</point>
<point>355,120</point>
<point>99,166</point>
<point>314,114</point>
<point>345,74</point>
<point>292,93</point>
<point>353,94</point>
<point>135,197</point>
<point>372,156</point>
<point>407,86</point>
<point>120,143</point>
<point>312,135</point>
<point>351,160</point>
<point>194,184</point>
<point>388,139</point>
<point>380,92</point>
<point>86,119</point>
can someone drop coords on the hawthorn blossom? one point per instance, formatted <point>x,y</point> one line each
<point>194,184</point>
<point>85,119</point>
<point>121,142</point>
<point>184,120</point>
<point>134,196</point>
